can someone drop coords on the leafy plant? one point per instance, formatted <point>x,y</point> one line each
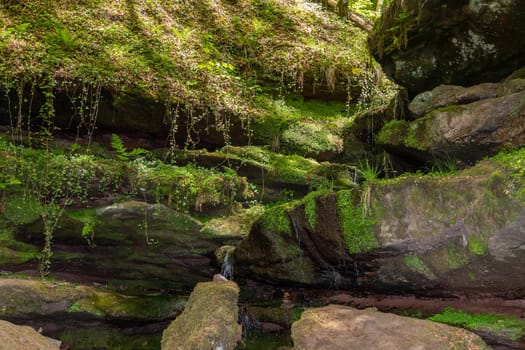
<point>369,170</point>
<point>122,153</point>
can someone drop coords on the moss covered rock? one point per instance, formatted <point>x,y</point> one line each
<point>272,169</point>
<point>339,327</point>
<point>422,234</point>
<point>209,320</point>
<point>306,243</point>
<point>130,245</point>
<point>28,299</point>
<point>462,131</point>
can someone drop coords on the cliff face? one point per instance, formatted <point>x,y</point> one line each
<point>422,44</point>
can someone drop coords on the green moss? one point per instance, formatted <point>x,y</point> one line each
<point>128,307</point>
<point>456,256</point>
<point>12,257</point>
<point>514,160</point>
<point>107,338</point>
<point>356,226</point>
<point>393,132</point>
<point>497,325</point>
<point>414,263</point>
<point>201,53</point>
<point>276,219</point>
<point>310,210</point>
<point>477,246</point>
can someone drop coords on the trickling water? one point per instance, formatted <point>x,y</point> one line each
<point>357,274</point>
<point>296,230</point>
<point>227,267</point>
<point>334,277</point>
<point>248,323</point>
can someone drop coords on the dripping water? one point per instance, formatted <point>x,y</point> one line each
<point>357,273</point>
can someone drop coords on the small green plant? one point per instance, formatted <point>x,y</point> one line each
<point>369,170</point>
<point>444,165</point>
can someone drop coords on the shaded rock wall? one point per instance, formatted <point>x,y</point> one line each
<point>425,44</point>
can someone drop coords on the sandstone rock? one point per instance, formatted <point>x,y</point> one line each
<point>22,338</point>
<point>339,327</point>
<point>449,95</point>
<point>209,320</point>
<point>424,44</point>
<point>467,132</point>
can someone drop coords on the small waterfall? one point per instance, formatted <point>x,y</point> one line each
<point>296,230</point>
<point>227,266</point>
<point>248,322</point>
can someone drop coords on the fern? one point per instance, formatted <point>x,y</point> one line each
<point>118,145</point>
<point>122,153</point>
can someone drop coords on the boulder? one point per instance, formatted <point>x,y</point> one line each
<point>467,132</point>
<point>33,299</point>
<point>451,95</point>
<point>209,320</point>
<point>425,44</point>
<point>23,338</point>
<point>339,327</point>
<point>429,235</point>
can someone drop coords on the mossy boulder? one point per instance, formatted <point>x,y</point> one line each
<point>453,95</point>
<point>209,320</point>
<point>131,245</point>
<point>467,132</point>
<point>422,234</point>
<point>25,299</point>
<point>339,327</point>
<point>23,338</point>
<point>423,45</point>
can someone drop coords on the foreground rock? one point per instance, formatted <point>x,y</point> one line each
<point>23,338</point>
<point>431,235</point>
<point>422,45</point>
<point>339,327</point>
<point>209,320</point>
